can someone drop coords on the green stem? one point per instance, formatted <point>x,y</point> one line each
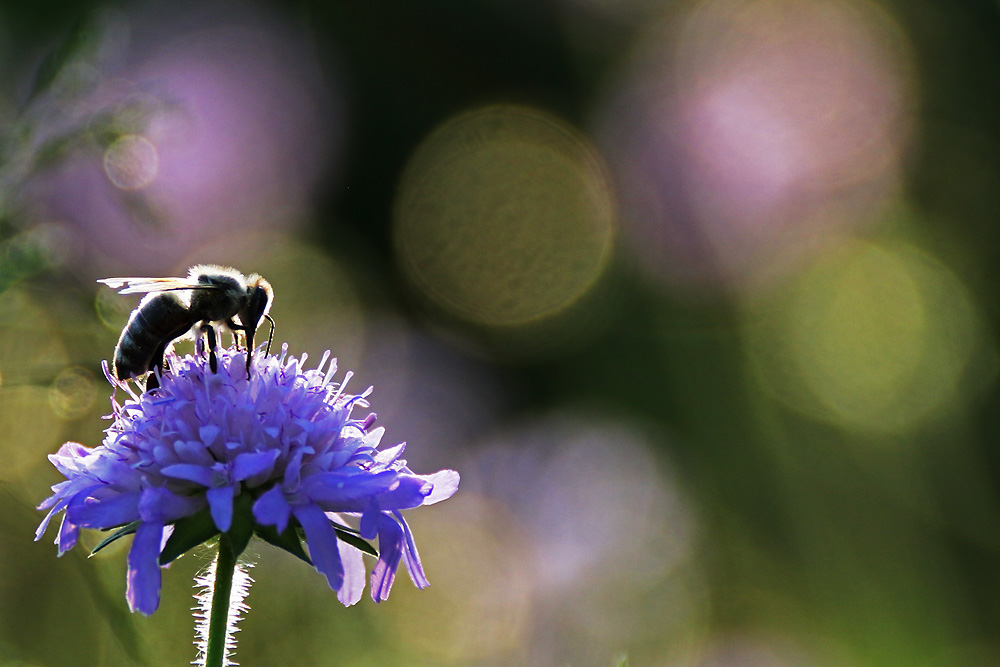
<point>218,624</point>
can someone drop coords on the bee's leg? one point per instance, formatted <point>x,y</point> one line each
<point>247,339</point>
<point>239,335</point>
<point>199,344</point>
<point>152,382</point>
<point>213,360</point>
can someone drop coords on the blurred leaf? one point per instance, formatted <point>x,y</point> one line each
<point>79,44</point>
<point>52,151</point>
<point>21,257</point>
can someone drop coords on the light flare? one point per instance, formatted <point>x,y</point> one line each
<point>744,134</point>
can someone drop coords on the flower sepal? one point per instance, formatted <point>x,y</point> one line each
<point>188,533</point>
<point>352,537</point>
<point>290,540</point>
<point>200,527</point>
<point>122,531</point>
<point>241,530</point>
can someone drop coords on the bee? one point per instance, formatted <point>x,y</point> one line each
<point>210,296</point>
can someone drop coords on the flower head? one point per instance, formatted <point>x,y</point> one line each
<point>276,454</point>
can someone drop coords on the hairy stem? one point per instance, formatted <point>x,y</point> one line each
<point>218,624</point>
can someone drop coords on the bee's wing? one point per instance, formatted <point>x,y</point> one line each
<point>143,285</point>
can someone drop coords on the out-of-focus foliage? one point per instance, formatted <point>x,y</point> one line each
<point>698,296</point>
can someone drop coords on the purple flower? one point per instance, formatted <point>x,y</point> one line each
<point>277,455</point>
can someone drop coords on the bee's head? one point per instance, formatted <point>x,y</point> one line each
<point>258,303</point>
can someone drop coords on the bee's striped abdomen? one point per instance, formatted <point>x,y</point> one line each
<point>157,320</point>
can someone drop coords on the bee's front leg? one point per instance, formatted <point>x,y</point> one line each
<point>242,332</point>
<point>213,360</point>
<point>157,363</point>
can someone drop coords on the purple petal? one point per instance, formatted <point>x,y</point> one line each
<point>293,469</point>
<point>354,574</point>
<point>69,532</point>
<point>220,503</point>
<point>388,456</point>
<point>445,485</point>
<point>69,459</point>
<point>87,511</point>
<point>158,504</point>
<point>340,486</point>
<point>248,464</point>
<point>44,525</point>
<point>194,451</point>
<point>208,433</point>
<point>322,542</point>
<point>373,437</point>
<point>189,472</point>
<point>410,492</point>
<point>370,520</point>
<point>271,509</point>
<point>143,590</point>
<point>59,493</point>
<point>390,542</point>
<point>58,504</point>
<point>410,556</point>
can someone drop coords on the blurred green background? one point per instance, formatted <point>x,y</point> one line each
<point>699,297</point>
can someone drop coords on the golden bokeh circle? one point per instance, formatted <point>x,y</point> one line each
<point>504,216</point>
<point>875,338</point>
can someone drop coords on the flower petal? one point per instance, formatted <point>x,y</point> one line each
<point>159,504</point>
<point>342,486</point>
<point>390,543</point>
<point>410,492</point>
<point>44,525</point>
<point>194,451</point>
<point>189,472</point>
<point>208,433</point>
<point>69,532</point>
<point>445,485</point>
<point>88,511</point>
<point>388,456</point>
<point>220,502</point>
<point>143,589</point>
<point>69,457</point>
<point>271,509</point>
<point>354,574</point>
<point>370,520</point>
<point>322,540</point>
<point>249,464</point>
<point>410,556</point>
